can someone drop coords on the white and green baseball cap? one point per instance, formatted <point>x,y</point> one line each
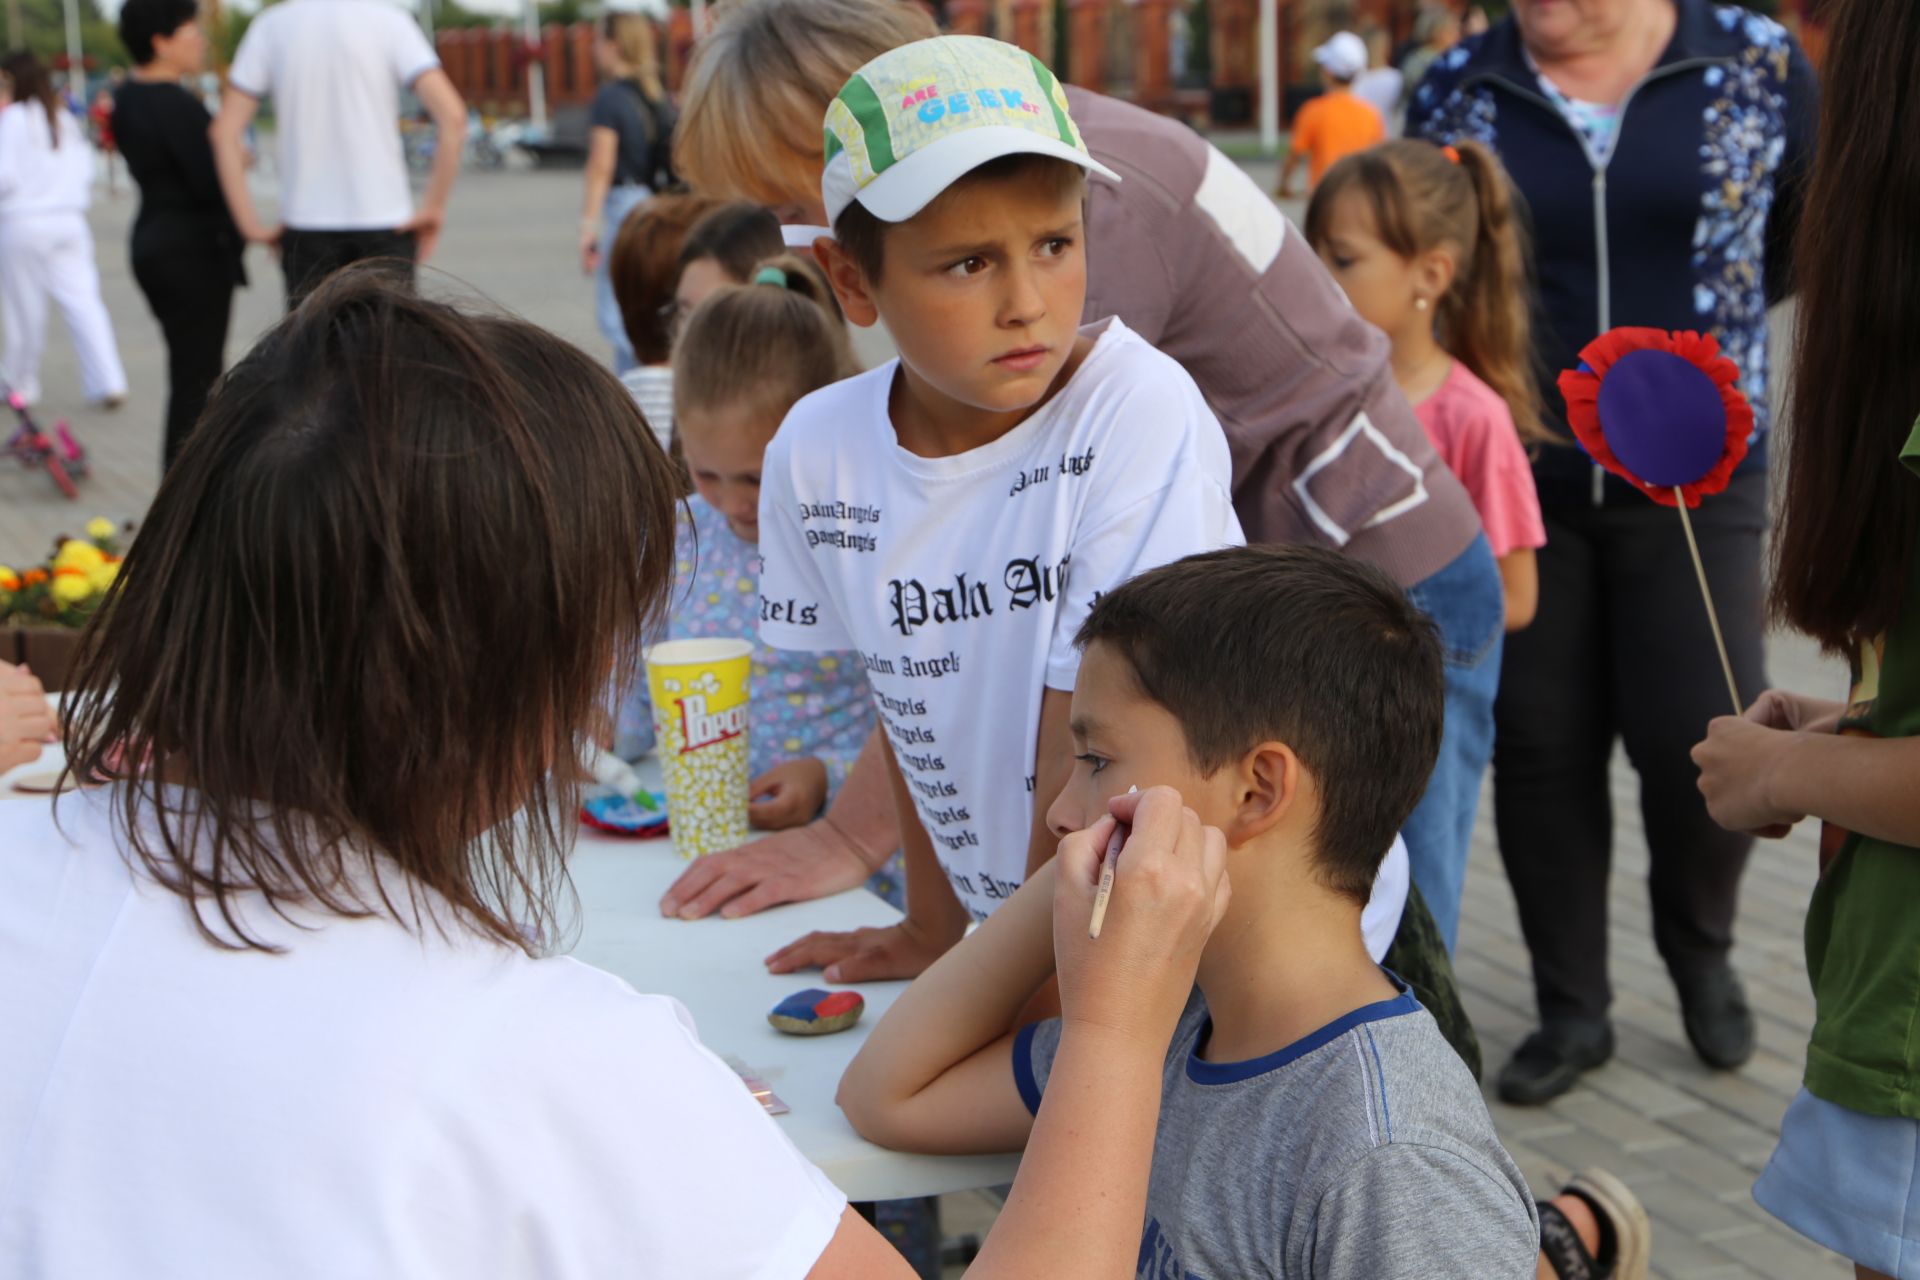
<point>916,119</point>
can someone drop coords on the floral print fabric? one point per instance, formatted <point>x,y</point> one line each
<point>804,704</point>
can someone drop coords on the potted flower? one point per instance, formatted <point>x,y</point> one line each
<point>44,606</point>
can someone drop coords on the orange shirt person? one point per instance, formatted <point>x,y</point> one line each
<point>1335,124</point>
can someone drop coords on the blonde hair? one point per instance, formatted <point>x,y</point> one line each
<point>758,89</point>
<point>762,345</point>
<point>632,36</point>
<point>1425,197</point>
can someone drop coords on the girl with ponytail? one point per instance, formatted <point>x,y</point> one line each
<point>748,352</point>
<point>1425,243</point>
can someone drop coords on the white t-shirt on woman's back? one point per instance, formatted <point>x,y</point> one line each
<point>36,175</point>
<point>369,1102</point>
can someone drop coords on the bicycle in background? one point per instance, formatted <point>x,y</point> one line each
<point>59,454</point>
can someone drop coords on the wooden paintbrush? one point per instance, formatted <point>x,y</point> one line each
<point>1107,866</point>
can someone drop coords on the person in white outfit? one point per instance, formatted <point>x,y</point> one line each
<point>335,70</point>
<point>46,250</point>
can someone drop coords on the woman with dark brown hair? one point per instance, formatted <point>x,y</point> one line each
<point>280,993</point>
<point>1845,567</point>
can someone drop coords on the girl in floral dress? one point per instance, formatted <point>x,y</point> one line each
<point>747,354</point>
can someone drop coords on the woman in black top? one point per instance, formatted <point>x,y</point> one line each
<point>629,150</point>
<point>186,253</point>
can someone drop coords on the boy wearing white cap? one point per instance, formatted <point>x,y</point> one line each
<point>1338,122</point>
<point>953,514</point>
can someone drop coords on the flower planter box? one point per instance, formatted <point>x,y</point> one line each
<point>48,651</point>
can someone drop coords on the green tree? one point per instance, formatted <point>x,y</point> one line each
<point>451,14</point>
<point>45,33</point>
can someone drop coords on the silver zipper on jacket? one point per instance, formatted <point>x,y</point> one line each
<point>1602,252</point>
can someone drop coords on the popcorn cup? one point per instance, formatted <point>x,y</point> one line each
<point>700,710</point>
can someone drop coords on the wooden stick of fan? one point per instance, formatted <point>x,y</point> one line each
<point>1713,615</point>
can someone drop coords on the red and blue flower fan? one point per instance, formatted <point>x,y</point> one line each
<point>1664,412</point>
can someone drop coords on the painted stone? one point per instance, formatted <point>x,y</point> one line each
<point>814,1012</point>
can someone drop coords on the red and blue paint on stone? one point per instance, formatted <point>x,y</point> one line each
<point>815,1012</point>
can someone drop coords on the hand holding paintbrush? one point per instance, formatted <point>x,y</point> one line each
<point>1165,897</point>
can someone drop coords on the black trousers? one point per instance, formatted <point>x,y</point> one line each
<point>191,295</point>
<point>308,257</point>
<point>1621,648</point>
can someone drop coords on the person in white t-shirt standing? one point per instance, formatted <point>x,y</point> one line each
<point>279,1000</point>
<point>953,514</point>
<point>335,70</point>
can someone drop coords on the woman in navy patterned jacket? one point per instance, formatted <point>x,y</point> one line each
<point>1660,147</point>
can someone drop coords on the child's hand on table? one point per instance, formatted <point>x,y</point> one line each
<point>26,721</point>
<point>903,950</point>
<point>1170,890</point>
<point>795,865</point>
<point>790,794</point>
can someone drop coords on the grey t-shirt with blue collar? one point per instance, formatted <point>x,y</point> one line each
<point>1361,1150</point>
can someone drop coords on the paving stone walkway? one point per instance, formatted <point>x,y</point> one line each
<point>1688,1140</point>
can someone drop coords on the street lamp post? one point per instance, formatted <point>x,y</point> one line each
<point>76,57</point>
<point>536,70</point>
<point>1269,76</point>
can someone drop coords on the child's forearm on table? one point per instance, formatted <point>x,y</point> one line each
<point>968,999</point>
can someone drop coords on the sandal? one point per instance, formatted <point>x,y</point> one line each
<point>1626,1236</point>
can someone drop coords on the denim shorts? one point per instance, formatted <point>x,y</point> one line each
<point>1849,1181</point>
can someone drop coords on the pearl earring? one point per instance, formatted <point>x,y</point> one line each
<point>1420,303</point>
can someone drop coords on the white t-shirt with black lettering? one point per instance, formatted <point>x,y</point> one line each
<point>962,580</point>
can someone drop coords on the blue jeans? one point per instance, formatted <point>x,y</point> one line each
<point>1466,602</point>
<point>619,203</point>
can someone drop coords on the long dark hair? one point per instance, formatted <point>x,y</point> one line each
<point>1851,512</point>
<point>374,607</point>
<point>31,83</point>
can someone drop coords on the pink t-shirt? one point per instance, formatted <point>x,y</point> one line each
<point>1473,430</point>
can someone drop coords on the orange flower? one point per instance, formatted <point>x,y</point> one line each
<point>34,577</point>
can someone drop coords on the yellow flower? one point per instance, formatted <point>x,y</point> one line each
<point>100,528</point>
<point>75,554</point>
<point>70,586</point>
<point>9,580</point>
<point>103,577</point>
